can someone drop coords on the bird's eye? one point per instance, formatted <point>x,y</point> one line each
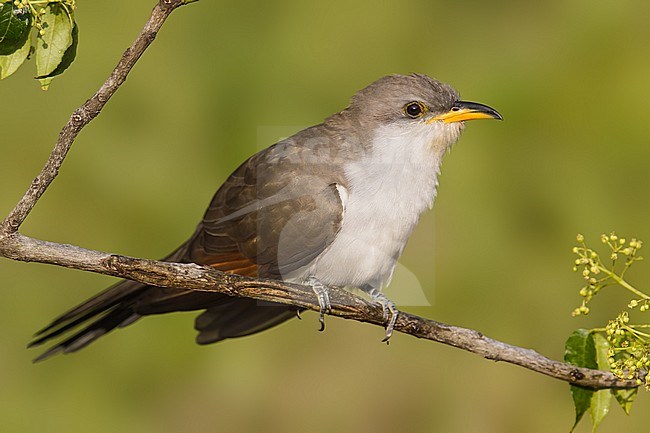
<point>414,109</point>
<point>455,108</point>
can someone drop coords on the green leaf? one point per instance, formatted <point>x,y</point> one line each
<point>55,40</point>
<point>581,402</point>
<point>10,63</point>
<point>602,346</point>
<point>625,397</point>
<point>601,399</point>
<point>580,350</point>
<point>68,56</point>
<point>15,24</point>
<point>45,83</point>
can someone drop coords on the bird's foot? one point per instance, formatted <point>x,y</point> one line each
<point>390,313</point>
<point>323,296</point>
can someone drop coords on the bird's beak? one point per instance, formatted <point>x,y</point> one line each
<point>464,110</point>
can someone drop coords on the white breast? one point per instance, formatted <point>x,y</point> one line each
<point>387,190</point>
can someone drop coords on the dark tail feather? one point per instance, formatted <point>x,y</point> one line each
<point>95,305</point>
<point>115,318</point>
<point>225,316</point>
<point>113,306</point>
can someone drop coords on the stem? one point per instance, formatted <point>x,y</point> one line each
<point>637,334</point>
<point>622,282</point>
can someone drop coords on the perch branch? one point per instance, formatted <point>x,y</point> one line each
<point>344,304</point>
<point>16,246</point>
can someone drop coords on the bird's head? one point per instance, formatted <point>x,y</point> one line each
<point>415,106</point>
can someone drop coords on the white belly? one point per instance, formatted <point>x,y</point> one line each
<point>388,189</point>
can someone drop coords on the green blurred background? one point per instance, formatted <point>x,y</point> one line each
<point>224,79</point>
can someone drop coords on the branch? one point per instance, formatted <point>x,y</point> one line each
<point>344,304</point>
<point>16,246</point>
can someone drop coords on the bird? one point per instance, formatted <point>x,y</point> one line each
<point>330,206</point>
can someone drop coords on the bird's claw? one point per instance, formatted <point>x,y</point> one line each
<point>323,296</point>
<point>390,313</point>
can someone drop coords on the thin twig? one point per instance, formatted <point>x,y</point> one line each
<point>83,115</point>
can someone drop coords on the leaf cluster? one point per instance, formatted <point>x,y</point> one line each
<point>45,30</point>
<point>621,346</point>
<point>586,348</point>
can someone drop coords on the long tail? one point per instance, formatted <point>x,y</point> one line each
<point>113,306</point>
<point>124,303</point>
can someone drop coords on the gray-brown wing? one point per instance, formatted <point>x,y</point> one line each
<point>271,218</point>
<point>276,213</point>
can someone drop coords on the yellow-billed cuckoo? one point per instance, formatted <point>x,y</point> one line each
<point>331,206</point>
